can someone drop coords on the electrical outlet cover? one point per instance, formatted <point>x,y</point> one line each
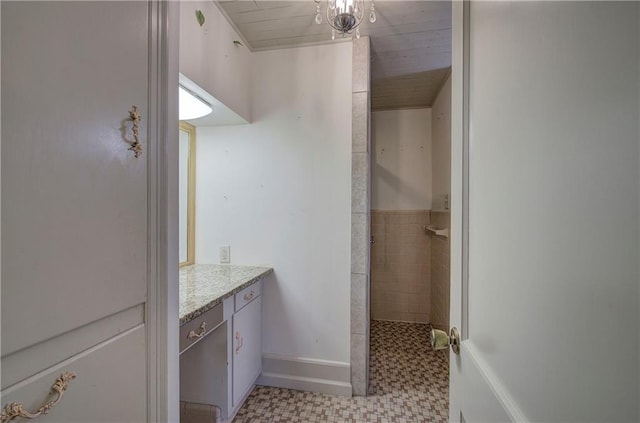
<point>225,254</point>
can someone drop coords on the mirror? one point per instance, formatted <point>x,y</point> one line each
<point>187,193</point>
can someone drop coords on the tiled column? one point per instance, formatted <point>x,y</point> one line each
<point>360,216</point>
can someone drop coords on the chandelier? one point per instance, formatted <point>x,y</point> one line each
<point>345,16</point>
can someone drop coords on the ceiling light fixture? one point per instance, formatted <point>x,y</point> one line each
<point>191,106</point>
<point>345,16</point>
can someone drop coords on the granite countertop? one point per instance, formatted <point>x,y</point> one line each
<point>202,286</point>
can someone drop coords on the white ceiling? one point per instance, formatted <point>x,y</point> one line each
<point>410,41</point>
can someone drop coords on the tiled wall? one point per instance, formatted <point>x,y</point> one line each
<point>400,266</point>
<point>440,273</point>
<point>360,214</point>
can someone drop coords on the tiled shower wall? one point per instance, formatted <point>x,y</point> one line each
<point>440,272</point>
<point>401,266</point>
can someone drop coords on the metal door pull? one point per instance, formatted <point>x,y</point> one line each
<point>135,117</point>
<point>239,341</point>
<point>193,334</point>
<point>15,409</point>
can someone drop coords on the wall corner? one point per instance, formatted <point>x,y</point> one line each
<point>360,214</point>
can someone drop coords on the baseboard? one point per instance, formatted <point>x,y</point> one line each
<point>401,321</point>
<point>304,374</point>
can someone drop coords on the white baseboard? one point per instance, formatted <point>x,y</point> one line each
<point>304,374</point>
<point>402,321</point>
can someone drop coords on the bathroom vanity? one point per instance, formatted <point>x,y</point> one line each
<point>220,338</point>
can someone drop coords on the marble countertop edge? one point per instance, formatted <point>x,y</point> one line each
<point>260,273</point>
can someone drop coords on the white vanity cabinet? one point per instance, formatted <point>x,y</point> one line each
<point>221,354</point>
<point>247,342</point>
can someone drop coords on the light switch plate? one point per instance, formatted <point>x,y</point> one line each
<point>225,254</point>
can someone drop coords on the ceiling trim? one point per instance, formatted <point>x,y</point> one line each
<point>309,44</point>
<point>279,47</point>
<point>233,25</point>
<point>442,84</point>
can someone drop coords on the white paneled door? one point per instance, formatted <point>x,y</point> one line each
<point>74,208</point>
<point>545,184</point>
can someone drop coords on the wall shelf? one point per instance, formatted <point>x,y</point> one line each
<point>443,232</point>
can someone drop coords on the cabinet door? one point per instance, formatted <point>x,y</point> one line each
<point>204,370</point>
<point>74,198</point>
<point>247,348</point>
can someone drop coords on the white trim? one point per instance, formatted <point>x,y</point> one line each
<point>233,25</point>
<point>162,262</point>
<point>328,41</point>
<point>249,47</point>
<point>306,374</point>
<point>497,388</point>
<point>455,236</point>
<point>464,203</point>
<point>0,184</point>
<point>460,155</point>
<point>322,386</point>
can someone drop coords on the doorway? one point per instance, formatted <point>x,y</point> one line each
<point>410,224</point>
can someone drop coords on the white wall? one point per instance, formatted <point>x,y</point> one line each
<point>209,57</point>
<point>554,205</point>
<point>441,146</point>
<point>183,190</point>
<point>278,191</point>
<point>401,168</point>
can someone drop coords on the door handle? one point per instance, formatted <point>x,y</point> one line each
<point>440,340</point>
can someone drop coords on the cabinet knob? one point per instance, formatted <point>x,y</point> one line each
<point>249,296</point>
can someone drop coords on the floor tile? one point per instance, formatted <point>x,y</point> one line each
<point>409,383</point>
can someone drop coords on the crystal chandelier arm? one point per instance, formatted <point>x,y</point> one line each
<point>359,9</point>
<point>329,18</point>
<point>318,17</point>
<point>372,15</point>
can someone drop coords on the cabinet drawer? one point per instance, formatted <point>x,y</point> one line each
<point>110,384</point>
<point>248,294</point>
<point>199,327</point>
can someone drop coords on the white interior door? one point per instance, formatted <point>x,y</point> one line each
<point>545,289</point>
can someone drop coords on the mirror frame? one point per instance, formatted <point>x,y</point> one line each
<point>191,194</point>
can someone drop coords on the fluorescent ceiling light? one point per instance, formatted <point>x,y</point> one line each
<point>191,107</point>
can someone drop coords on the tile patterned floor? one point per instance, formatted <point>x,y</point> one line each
<point>409,383</point>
